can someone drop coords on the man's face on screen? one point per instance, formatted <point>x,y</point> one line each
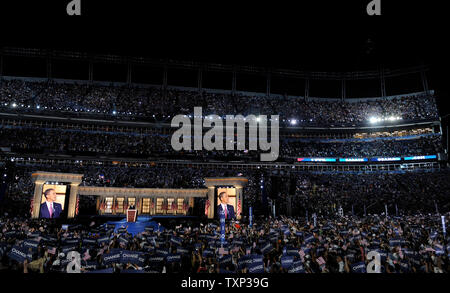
<point>224,198</point>
<point>51,196</point>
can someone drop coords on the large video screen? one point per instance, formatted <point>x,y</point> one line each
<point>52,201</point>
<point>231,192</point>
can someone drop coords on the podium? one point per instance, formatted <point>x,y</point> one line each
<point>131,215</point>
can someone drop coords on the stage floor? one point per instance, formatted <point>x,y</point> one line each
<point>143,222</point>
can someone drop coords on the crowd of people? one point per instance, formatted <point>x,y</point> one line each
<point>333,244</point>
<point>126,102</point>
<point>125,144</point>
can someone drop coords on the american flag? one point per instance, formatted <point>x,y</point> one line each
<point>207,207</point>
<point>239,205</point>
<point>76,208</point>
<point>51,250</point>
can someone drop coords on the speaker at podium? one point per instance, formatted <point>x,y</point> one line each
<point>131,214</point>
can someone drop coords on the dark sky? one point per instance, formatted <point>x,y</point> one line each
<point>320,35</point>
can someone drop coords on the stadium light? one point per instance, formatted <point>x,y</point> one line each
<point>258,119</point>
<point>114,112</point>
<point>14,105</point>
<point>293,122</point>
<point>373,120</point>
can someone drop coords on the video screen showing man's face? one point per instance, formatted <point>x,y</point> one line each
<point>52,203</point>
<point>226,199</point>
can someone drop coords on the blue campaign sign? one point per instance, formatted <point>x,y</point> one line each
<point>250,217</point>
<point>296,267</point>
<point>359,267</point>
<point>113,257</point>
<point>267,248</point>
<point>182,250</point>
<point>89,265</point>
<point>428,157</point>
<point>222,227</point>
<point>176,240</point>
<point>292,251</point>
<point>256,268</point>
<point>103,240</point>
<point>208,253</point>
<point>256,258</point>
<point>287,261</point>
<point>10,234</point>
<point>244,261</point>
<point>162,251</point>
<point>171,258</point>
<point>395,242</point>
<point>67,248</point>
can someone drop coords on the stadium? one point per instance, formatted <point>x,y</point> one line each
<point>94,180</point>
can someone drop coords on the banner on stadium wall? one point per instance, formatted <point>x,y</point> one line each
<point>429,157</point>
<point>349,160</point>
<point>386,159</point>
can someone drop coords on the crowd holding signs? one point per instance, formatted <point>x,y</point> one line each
<point>282,245</point>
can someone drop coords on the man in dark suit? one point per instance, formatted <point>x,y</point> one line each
<point>228,209</point>
<point>50,209</point>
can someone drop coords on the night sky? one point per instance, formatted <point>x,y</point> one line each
<point>317,36</point>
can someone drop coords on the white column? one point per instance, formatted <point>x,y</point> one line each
<point>37,198</point>
<point>212,207</point>
<point>72,201</point>
<point>239,197</point>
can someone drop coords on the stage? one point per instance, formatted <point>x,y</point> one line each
<point>143,222</point>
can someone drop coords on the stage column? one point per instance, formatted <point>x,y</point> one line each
<point>211,209</point>
<point>72,200</point>
<point>39,184</point>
